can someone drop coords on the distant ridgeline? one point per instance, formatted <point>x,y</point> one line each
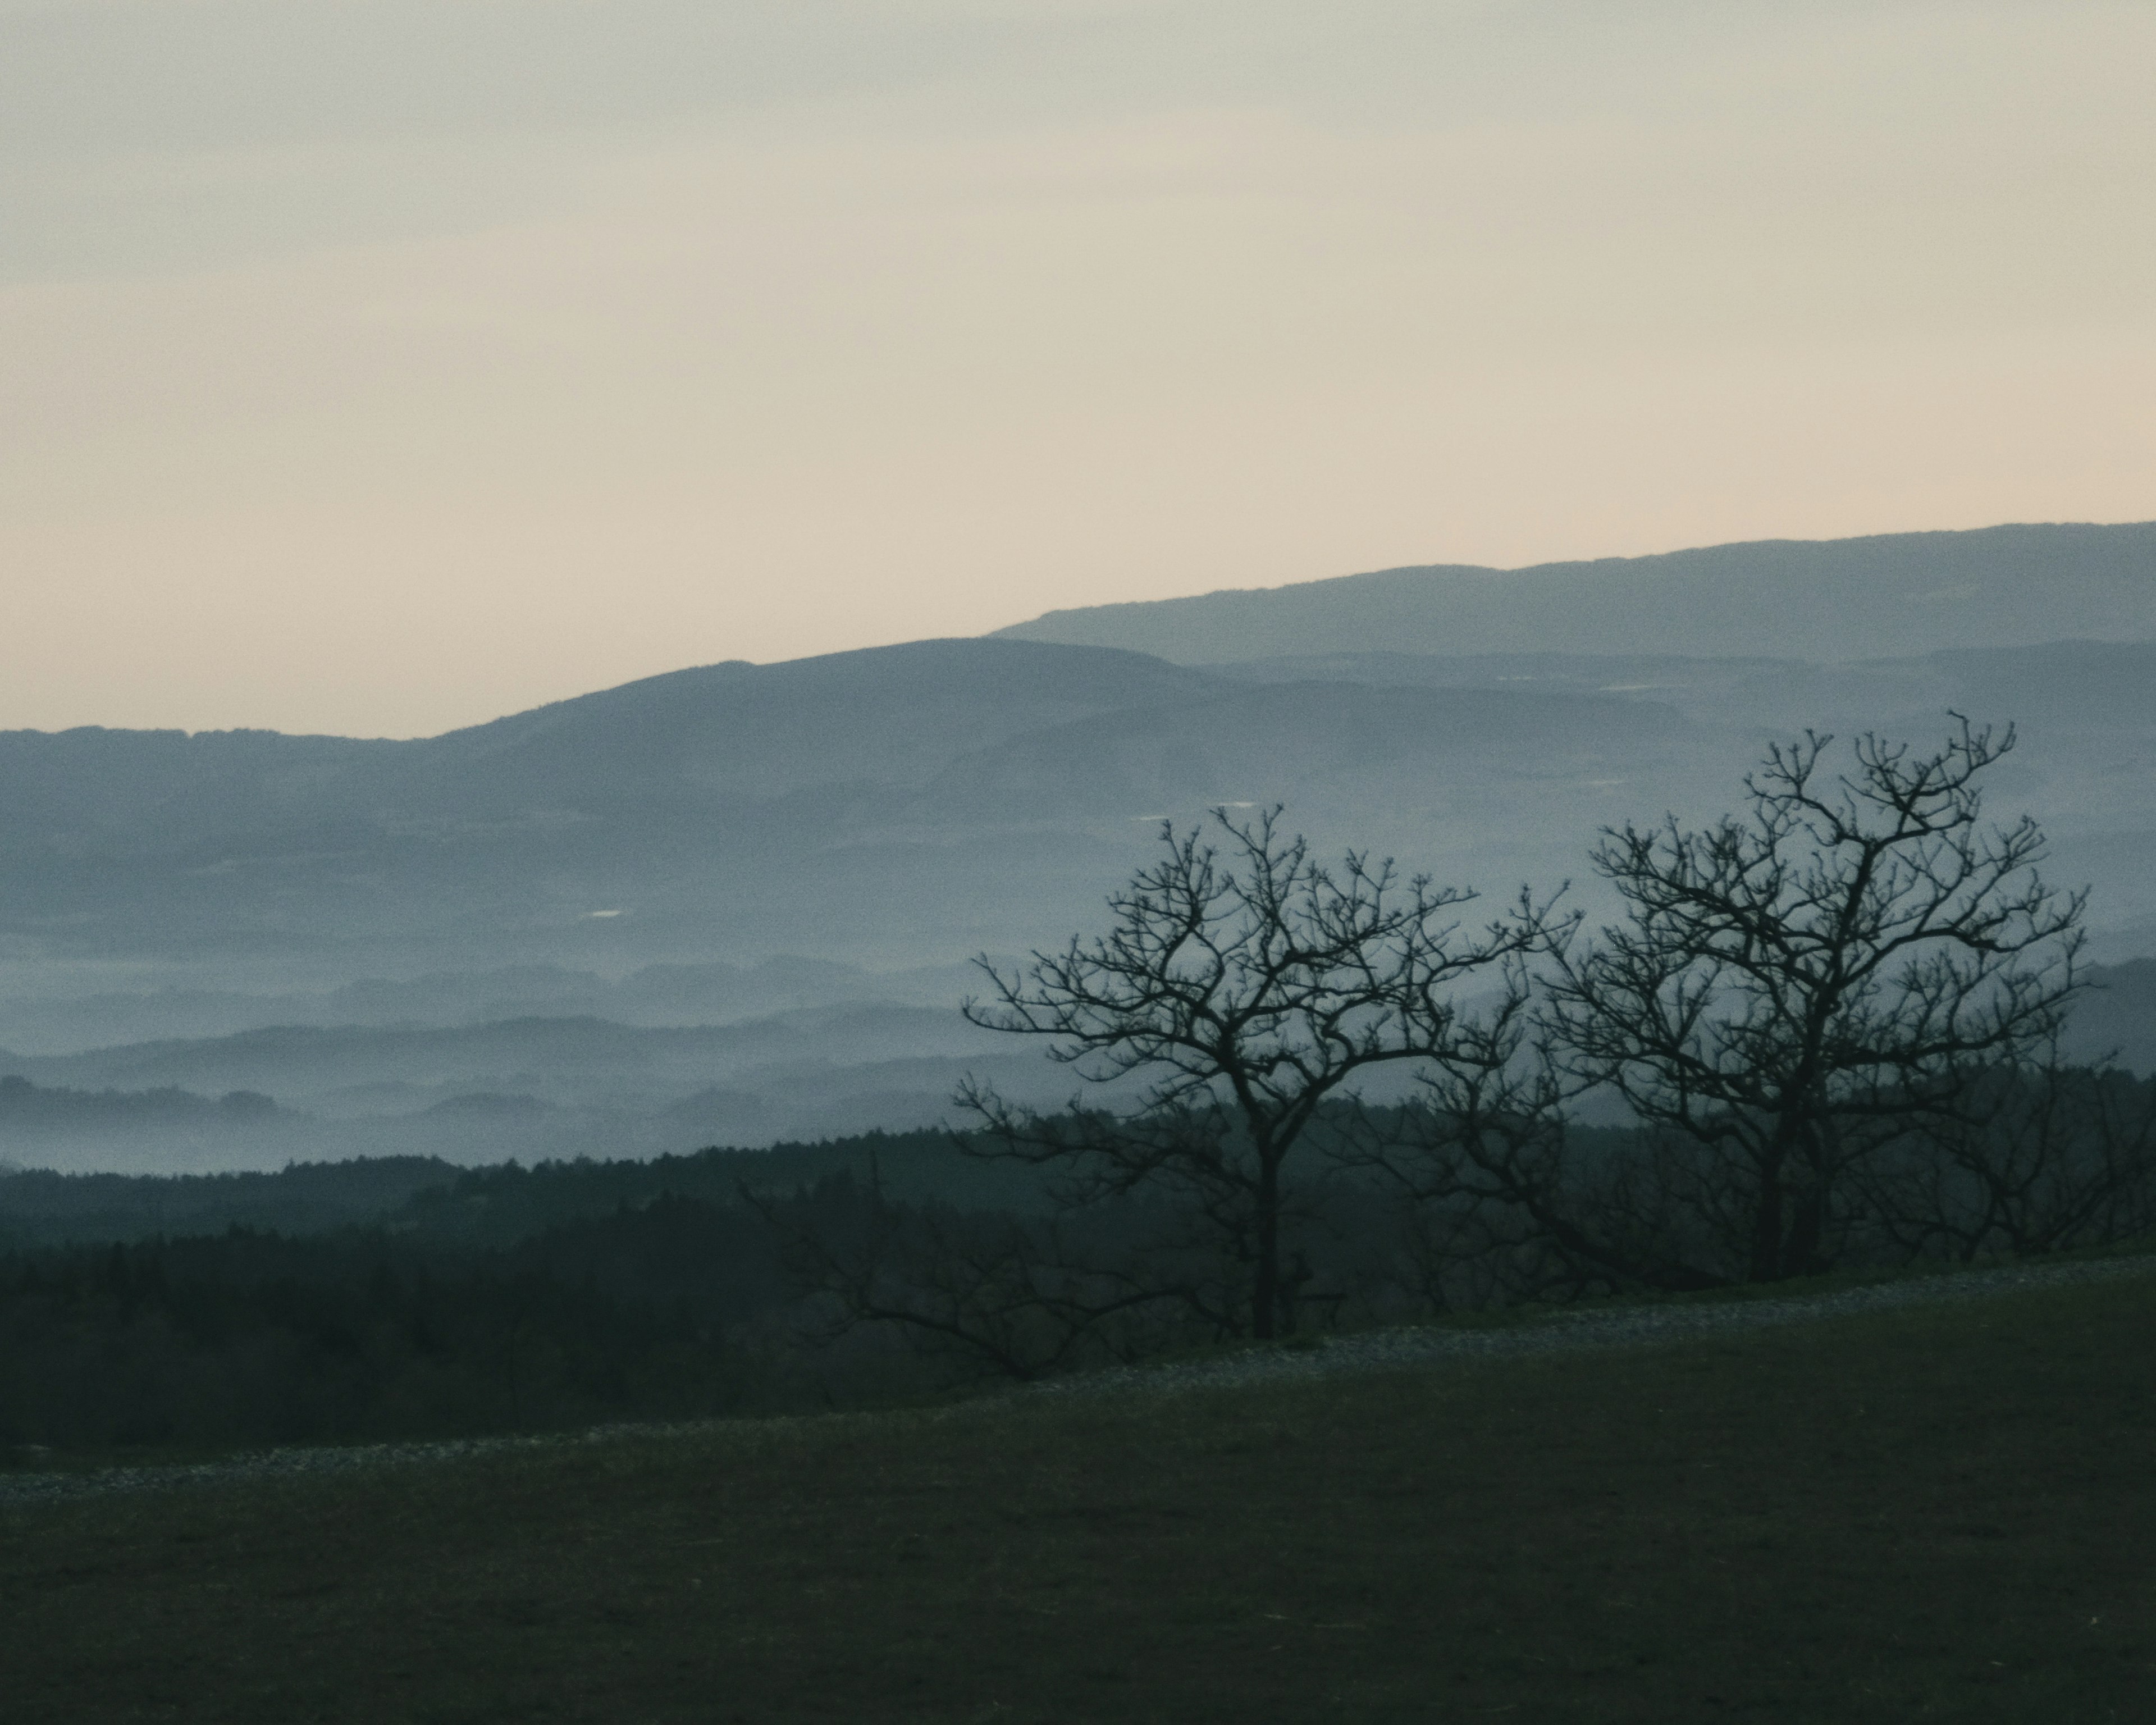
<point>399,1297</point>
<point>27,1109</point>
<point>1885,596</point>
<point>494,1206</point>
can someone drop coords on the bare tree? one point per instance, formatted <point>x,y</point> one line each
<point>1239,991</point>
<point>1794,986</point>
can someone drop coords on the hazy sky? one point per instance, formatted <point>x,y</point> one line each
<point>379,366</point>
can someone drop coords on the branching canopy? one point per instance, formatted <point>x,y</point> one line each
<point>1793,985</point>
<point>1239,991</point>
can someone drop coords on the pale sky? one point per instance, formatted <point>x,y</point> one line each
<point>381,366</point>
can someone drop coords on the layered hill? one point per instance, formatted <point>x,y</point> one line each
<point>910,805</point>
<point>1885,596</point>
<point>530,1089</point>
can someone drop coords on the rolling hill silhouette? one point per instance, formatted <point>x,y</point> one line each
<point>1890,595</point>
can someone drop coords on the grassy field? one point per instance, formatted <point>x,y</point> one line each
<point>1942,1513</point>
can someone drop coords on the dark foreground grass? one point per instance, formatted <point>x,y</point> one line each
<point>1930,1514</point>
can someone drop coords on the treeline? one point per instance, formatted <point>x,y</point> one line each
<point>39,1207</point>
<point>404,1297</point>
<point>515,1298</point>
<point>677,1307</point>
<point>497,1205</point>
<point>444,1302</point>
<point>501,1205</point>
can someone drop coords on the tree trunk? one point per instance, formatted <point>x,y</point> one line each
<point>1767,1221</point>
<point>1265,1293</point>
<point>1807,1229</point>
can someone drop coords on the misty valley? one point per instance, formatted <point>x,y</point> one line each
<point>1560,975</point>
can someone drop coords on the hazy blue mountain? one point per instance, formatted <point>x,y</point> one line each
<point>532,1089</point>
<point>636,855</point>
<point>2085,712</point>
<point>2091,686</point>
<point>900,806</point>
<point>655,994</point>
<point>27,1111</point>
<point>882,716</point>
<point>1888,595</point>
<point>1260,744</point>
<point>567,1062</point>
<point>731,811</point>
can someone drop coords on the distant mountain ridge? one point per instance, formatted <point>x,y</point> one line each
<point>908,806</point>
<point>1883,596</point>
<point>661,822</point>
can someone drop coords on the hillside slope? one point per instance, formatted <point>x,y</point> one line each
<point>1888,595</point>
